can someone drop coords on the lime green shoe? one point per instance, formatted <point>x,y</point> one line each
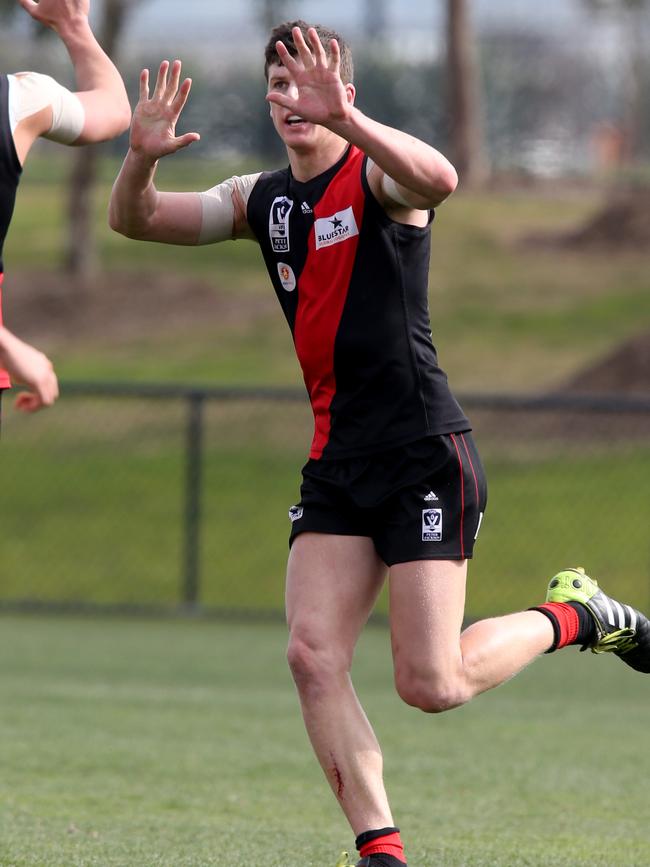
<point>343,861</point>
<point>620,629</point>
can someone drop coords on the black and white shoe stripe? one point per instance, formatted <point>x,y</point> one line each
<point>622,630</point>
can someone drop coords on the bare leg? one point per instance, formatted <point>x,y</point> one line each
<point>436,666</point>
<point>332,585</point>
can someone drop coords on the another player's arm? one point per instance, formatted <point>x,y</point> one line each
<point>137,209</point>
<point>408,173</point>
<point>28,366</point>
<point>98,110</point>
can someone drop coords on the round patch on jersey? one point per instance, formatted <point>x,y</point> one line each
<point>287,277</point>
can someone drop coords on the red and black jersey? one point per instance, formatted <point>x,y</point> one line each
<point>353,285</point>
<point>10,171</point>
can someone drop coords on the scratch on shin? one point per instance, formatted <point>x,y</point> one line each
<point>338,777</point>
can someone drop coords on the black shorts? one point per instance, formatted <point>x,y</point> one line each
<point>421,501</point>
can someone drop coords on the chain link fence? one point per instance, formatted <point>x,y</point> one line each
<point>166,498</point>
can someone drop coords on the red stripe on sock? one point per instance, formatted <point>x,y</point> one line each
<point>567,620</point>
<point>391,844</point>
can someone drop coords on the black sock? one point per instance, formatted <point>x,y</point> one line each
<point>587,630</point>
<point>382,860</point>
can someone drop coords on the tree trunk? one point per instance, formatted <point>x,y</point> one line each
<point>464,94</point>
<point>81,259</point>
<point>272,13</point>
<point>376,21</point>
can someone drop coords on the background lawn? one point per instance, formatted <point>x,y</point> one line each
<point>133,743</point>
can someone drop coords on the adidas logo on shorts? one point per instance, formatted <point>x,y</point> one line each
<point>430,497</point>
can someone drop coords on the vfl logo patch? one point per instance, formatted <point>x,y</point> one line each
<point>295,513</point>
<point>287,277</point>
<point>279,223</point>
<point>332,230</point>
<point>432,525</point>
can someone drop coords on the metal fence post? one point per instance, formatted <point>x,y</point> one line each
<point>190,590</point>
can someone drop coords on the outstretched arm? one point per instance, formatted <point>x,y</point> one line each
<point>421,175</point>
<point>137,209</point>
<point>27,366</point>
<point>100,88</point>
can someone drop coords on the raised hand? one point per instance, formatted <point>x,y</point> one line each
<point>56,13</point>
<point>153,128</point>
<point>322,96</point>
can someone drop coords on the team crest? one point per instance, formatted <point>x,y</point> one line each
<point>287,277</point>
<point>279,224</point>
<point>332,230</point>
<point>432,525</point>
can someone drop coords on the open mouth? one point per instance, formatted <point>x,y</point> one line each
<point>294,120</point>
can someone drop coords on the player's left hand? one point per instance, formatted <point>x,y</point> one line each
<point>322,96</point>
<point>153,127</point>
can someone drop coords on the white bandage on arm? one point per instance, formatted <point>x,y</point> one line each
<point>218,210</point>
<point>30,92</point>
<point>390,189</point>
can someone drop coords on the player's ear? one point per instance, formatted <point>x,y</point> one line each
<point>350,92</point>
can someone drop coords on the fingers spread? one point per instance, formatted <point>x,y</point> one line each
<point>303,49</point>
<point>281,99</point>
<point>144,85</point>
<point>335,56</point>
<point>180,98</point>
<point>183,141</point>
<point>29,6</point>
<point>161,81</point>
<point>288,61</point>
<point>172,84</point>
<point>317,46</point>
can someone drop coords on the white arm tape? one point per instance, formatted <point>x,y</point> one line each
<point>218,209</point>
<point>389,187</point>
<point>31,92</point>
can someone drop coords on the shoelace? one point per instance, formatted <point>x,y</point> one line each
<point>620,641</point>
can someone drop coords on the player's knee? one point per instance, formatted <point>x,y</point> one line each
<point>312,664</point>
<point>429,692</point>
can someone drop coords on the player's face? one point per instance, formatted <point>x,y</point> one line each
<point>295,132</point>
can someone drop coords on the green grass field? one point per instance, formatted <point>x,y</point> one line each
<point>147,743</point>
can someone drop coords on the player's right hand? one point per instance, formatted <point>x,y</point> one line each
<point>56,13</point>
<point>153,128</point>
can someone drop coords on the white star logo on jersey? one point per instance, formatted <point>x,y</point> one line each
<point>335,228</point>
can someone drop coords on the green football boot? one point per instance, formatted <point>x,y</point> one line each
<point>343,860</point>
<point>620,629</point>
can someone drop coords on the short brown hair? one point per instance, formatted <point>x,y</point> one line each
<point>282,33</point>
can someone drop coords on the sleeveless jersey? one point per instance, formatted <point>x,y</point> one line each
<point>353,285</point>
<point>10,171</point>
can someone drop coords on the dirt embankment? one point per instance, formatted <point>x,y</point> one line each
<point>44,308</point>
